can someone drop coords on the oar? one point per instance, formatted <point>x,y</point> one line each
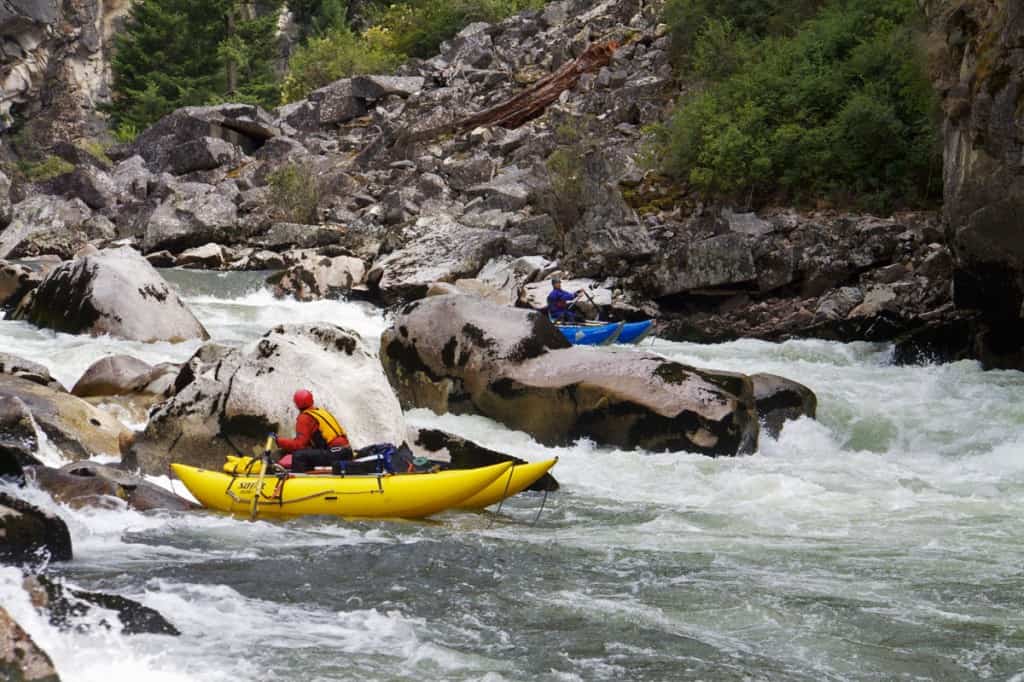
<point>259,481</point>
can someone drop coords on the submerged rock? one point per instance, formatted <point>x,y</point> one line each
<point>88,484</point>
<point>229,399</point>
<point>464,454</point>
<point>31,535</point>
<point>116,292</point>
<point>66,606</point>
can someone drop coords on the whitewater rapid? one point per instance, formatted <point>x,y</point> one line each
<point>881,541</point>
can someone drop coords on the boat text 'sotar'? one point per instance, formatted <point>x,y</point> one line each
<point>406,495</point>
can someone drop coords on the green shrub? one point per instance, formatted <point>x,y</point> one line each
<point>95,149</point>
<point>420,26</point>
<point>337,54</point>
<point>687,19</point>
<point>843,108</point>
<point>295,193</point>
<point>46,169</point>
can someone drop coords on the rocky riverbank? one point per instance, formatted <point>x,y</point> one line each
<point>382,186</point>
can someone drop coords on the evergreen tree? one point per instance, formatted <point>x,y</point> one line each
<point>176,53</point>
<point>317,17</point>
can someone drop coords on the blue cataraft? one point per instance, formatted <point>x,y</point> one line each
<point>604,334</point>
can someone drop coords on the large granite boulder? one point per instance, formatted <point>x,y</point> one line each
<point>116,292</point>
<point>459,354</point>
<point>229,399</point>
<point>319,277</point>
<point>196,138</point>
<point>44,224</point>
<point>88,484</point>
<point>20,657</point>
<point>69,608</point>
<point>192,214</point>
<point>440,250</point>
<point>76,428</point>
<point>31,535</point>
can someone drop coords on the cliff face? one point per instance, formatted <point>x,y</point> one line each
<point>54,64</point>
<point>979,52</point>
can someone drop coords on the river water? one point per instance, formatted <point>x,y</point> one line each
<point>882,541</point>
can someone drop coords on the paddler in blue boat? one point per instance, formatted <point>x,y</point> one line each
<point>560,302</point>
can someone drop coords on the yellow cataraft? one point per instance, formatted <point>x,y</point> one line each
<point>518,479</point>
<point>368,496</point>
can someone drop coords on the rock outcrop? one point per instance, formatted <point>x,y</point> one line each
<point>114,292</point>
<point>56,65</point>
<point>456,353</point>
<point>981,77</point>
<point>229,399</point>
<point>76,428</point>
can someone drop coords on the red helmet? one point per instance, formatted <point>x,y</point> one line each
<point>303,399</point>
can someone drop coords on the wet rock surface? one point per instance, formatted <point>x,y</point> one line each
<point>20,657</point>
<point>30,535</point>
<point>74,426</point>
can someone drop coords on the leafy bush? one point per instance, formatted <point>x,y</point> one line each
<point>295,191</point>
<point>687,19</point>
<point>842,108</point>
<point>420,26</point>
<point>46,169</point>
<point>337,54</point>
<point>413,28</point>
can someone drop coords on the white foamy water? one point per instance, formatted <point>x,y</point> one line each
<point>881,541</point>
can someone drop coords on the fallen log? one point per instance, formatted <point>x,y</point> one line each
<point>532,102</point>
<point>511,113</point>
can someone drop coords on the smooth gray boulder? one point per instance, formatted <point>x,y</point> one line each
<point>229,399</point>
<point>116,292</point>
<point>44,224</point>
<point>319,277</point>
<point>112,375</point>
<point>192,215</point>
<point>461,354</point>
<point>441,250</point>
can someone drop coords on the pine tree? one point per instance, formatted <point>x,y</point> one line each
<point>176,53</point>
<point>317,17</point>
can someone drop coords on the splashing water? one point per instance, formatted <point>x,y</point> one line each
<point>881,541</point>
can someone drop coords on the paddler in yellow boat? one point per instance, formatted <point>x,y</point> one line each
<point>319,439</point>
